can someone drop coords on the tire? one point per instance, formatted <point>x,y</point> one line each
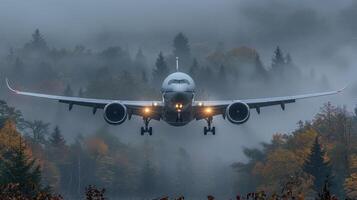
<point>205,131</point>
<point>213,130</point>
<point>150,131</point>
<point>142,131</point>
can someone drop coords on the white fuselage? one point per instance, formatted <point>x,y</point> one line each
<point>178,90</point>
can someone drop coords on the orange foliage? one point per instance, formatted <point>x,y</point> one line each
<point>96,146</point>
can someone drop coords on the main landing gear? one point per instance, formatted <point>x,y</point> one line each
<point>209,128</point>
<point>146,128</point>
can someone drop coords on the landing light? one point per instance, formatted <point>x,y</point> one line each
<point>200,104</point>
<point>147,110</point>
<point>208,110</point>
<point>155,103</point>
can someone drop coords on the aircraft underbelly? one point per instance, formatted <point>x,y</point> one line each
<point>175,119</point>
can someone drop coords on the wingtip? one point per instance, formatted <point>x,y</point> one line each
<point>340,90</point>
<point>9,87</point>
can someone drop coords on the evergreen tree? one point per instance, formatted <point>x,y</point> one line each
<point>278,60</point>
<point>10,113</point>
<point>68,91</point>
<point>161,70</point>
<point>182,48</point>
<point>18,168</point>
<point>140,59</point>
<point>56,139</point>
<point>37,43</point>
<point>316,166</point>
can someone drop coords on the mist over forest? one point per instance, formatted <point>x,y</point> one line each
<point>233,49</point>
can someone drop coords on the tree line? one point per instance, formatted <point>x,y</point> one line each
<point>318,151</point>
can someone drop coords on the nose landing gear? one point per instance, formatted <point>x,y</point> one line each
<point>209,128</point>
<point>146,128</point>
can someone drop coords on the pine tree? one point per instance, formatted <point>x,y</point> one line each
<point>182,48</point>
<point>140,59</point>
<point>278,60</point>
<point>316,166</point>
<point>18,168</point>
<point>37,43</point>
<point>56,139</point>
<point>161,70</point>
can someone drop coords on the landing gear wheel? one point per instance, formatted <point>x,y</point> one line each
<point>150,131</point>
<point>146,128</point>
<point>209,128</point>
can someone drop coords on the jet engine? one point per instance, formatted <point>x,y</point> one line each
<point>238,112</point>
<point>115,113</point>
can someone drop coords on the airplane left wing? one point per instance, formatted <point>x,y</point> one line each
<point>219,107</point>
<point>133,107</point>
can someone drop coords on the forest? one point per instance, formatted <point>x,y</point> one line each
<point>36,159</point>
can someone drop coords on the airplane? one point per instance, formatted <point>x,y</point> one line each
<point>178,106</point>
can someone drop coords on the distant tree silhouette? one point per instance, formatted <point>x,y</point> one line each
<point>140,59</point>
<point>161,70</point>
<point>10,113</point>
<point>38,43</point>
<point>38,129</point>
<point>316,166</point>
<point>56,138</point>
<point>278,60</point>
<point>182,49</point>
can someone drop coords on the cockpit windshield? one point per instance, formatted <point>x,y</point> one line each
<point>179,81</point>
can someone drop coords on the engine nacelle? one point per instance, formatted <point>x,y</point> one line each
<point>115,113</point>
<point>238,112</point>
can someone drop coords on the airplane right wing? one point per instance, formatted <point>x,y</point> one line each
<point>219,107</point>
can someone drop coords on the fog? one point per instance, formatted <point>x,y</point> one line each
<point>321,36</point>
